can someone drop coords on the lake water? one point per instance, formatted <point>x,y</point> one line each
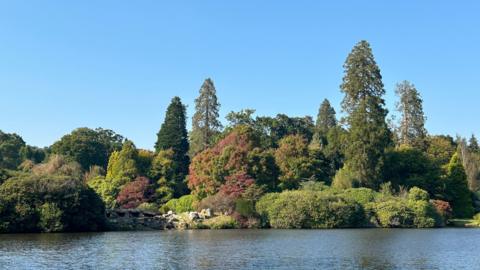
<point>245,249</point>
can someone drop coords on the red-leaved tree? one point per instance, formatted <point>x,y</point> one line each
<point>135,193</point>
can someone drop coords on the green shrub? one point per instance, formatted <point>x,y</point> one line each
<point>417,194</point>
<point>180,205</point>
<point>394,214</point>
<point>308,209</point>
<point>345,178</point>
<point>245,208</point>
<point>221,222</point>
<point>414,212</point>
<point>355,207</point>
<point>362,196</point>
<point>150,207</point>
<point>314,186</point>
<point>425,215</point>
<point>50,218</point>
<point>263,207</point>
<point>48,203</point>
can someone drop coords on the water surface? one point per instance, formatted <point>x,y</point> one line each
<point>245,249</point>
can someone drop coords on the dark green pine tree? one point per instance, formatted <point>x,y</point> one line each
<point>369,134</point>
<point>205,123</point>
<point>173,135</point>
<point>326,120</point>
<point>473,144</point>
<point>456,189</point>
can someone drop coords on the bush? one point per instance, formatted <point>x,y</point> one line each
<point>443,208</point>
<point>345,178</point>
<point>314,186</point>
<point>425,215</point>
<point>264,207</point>
<point>415,211</point>
<point>149,207</point>
<point>309,210</point>
<point>50,218</point>
<point>245,208</point>
<point>221,222</point>
<point>417,194</point>
<point>47,203</point>
<point>362,196</point>
<point>135,193</point>
<point>477,218</point>
<point>219,203</point>
<point>358,207</point>
<point>180,205</point>
<point>394,214</point>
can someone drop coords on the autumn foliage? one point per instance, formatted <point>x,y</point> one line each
<point>233,164</point>
<point>135,193</point>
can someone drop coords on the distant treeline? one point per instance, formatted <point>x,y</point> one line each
<point>281,172</point>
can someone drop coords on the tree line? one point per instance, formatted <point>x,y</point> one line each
<point>232,168</point>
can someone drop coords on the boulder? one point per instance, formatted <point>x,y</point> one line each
<point>193,215</point>
<point>206,213</point>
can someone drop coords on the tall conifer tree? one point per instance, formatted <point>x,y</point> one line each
<point>368,135</point>
<point>473,144</point>
<point>173,135</point>
<point>456,189</point>
<point>205,123</point>
<point>326,120</point>
<point>412,130</point>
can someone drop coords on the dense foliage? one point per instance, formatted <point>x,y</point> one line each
<point>50,198</point>
<point>347,208</point>
<point>88,147</point>
<point>273,171</point>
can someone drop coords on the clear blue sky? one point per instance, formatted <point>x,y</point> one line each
<point>116,64</point>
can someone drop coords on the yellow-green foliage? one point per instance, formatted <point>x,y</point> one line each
<point>309,209</point>
<point>345,178</point>
<point>150,207</point>
<point>122,164</point>
<point>415,211</point>
<point>355,207</point>
<point>180,205</point>
<point>417,194</point>
<point>121,170</point>
<point>361,195</point>
<point>477,218</point>
<point>221,222</point>
<point>107,189</point>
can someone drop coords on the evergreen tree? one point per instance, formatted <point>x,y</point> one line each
<point>205,123</point>
<point>412,130</point>
<point>473,144</point>
<point>456,189</point>
<point>123,163</point>
<point>173,135</point>
<point>368,135</point>
<point>326,120</point>
<point>121,170</point>
<point>163,171</point>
